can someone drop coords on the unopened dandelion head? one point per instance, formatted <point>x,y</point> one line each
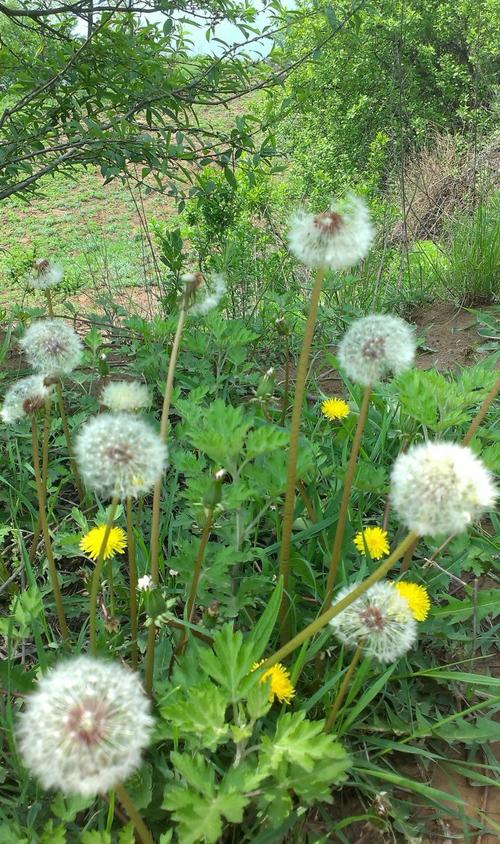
<point>25,397</point>
<point>45,275</point>
<point>209,292</point>
<point>375,346</point>
<point>126,396</point>
<point>52,346</point>
<point>380,620</point>
<point>417,597</point>
<point>280,685</point>
<point>338,238</point>
<point>120,455</point>
<point>84,729</point>
<point>440,488</point>
<point>146,582</point>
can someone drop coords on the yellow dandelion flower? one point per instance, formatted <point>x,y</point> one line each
<point>335,409</point>
<point>374,539</point>
<point>92,541</point>
<point>280,687</point>
<point>417,597</point>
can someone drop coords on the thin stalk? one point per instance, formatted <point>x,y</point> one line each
<point>311,512</point>
<point>96,578</point>
<point>50,307</point>
<point>45,464</point>
<point>286,389</point>
<point>111,585</point>
<point>69,442</point>
<point>128,804</point>
<point>191,602</point>
<point>337,703</point>
<point>132,568</point>
<point>286,536</point>
<point>155,517</point>
<point>405,565</point>
<point>335,610</point>
<point>42,510</point>
<point>346,495</point>
<point>483,410</point>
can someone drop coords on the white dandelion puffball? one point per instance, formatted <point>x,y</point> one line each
<point>144,583</point>
<point>440,488</point>
<point>46,275</point>
<point>381,619</point>
<point>52,346</point>
<point>24,397</point>
<point>126,396</point>
<point>120,455</point>
<point>85,727</point>
<point>337,238</point>
<point>375,346</point>
<point>213,291</point>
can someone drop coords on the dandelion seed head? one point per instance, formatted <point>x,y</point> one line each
<point>381,619</point>
<point>144,583</point>
<point>120,454</point>
<point>280,684</point>
<point>46,275</point>
<point>440,488</point>
<point>375,346</point>
<point>214,290</point>
<point>85,727</point>
<point>375,539</point>
<point>92,541</point>
<point>334,409</point>
<point>417,597</point>
<point>25,396</point>
<point>52,346</point>
<point>126,396</point>
<point>337,238</point>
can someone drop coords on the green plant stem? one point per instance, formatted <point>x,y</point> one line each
<point>42,510</point>
<point>69,442</point>
<point>50,307</point>
<point>483,410</point>
<point>286,536</point>
<point>96,578</point>
<point>140,827</point>
<point>191,603</point>
<point>405,565</point>
<point>346,495</point>
<point>339,699</point>
<point>284,406</point>
<point>111,587</point>
<point>132,568</point>
<point>327,616</point>
<point>155,518</point>
<point>45,465</point>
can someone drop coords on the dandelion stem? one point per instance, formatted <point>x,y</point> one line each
<point>50,307</point>
<point>140,827</point>
<point>132,568</point>
<point>483,410</point>
<point>284,406</point>
<point>69,442</point>
<point>96,578</point>
<point>45,463</point>
<point>346,495</point>
<point>286,536</point>
<point>191,602</point>
<point>337,703</point>
<point>335,610</point>
<point>155,518</point>
<point>111,587</point>
<point>405,565</point>
<point>42,510</point>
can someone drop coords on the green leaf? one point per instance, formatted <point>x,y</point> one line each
<point>265,439</point>
<point>53,834</point>
<point>260,635</point>
<point>95,837</point>
<point>486,604</point>
<point>67,807</point>
<point>229,663</point>
<point>302,742</point>
<point>127,834</point>
<point>200,713</point>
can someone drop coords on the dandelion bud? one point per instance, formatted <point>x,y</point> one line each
<point>144,583</point>
<point>213,494</point>
<point>120,455</point>
<point>375,346</point>
<point>24,397</point>
<point>338,238</point>
<point>214,291</point>
<point>84,729</point>
<point>281,326</point>
<point>46,275</point>
<point>125,396</point>
<point>440,488</point>
<point>51,346</point>
<point>381,621</point>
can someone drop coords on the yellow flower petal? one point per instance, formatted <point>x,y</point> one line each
<point>335,409</point>
<point>374,539</point>
<point>417,597</point>
<point>281,687</point>
<point>92,541</point>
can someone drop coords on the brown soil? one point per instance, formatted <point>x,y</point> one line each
<point>450,333</point>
